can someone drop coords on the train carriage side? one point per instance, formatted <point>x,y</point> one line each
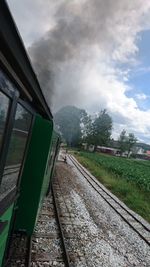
<point>15,124</point>
<point>34,179</point>
<point>26,131</point>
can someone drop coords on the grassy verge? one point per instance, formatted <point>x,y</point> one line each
<point>135,198</point>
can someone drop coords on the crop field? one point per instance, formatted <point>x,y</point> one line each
<point>128,179</point>
<point>132,170</point>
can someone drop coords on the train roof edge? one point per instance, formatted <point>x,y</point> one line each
<point>13,51</point>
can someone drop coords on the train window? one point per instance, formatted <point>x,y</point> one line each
<point>5,83</point>
<point>4,105</point>
<point>16,150</point>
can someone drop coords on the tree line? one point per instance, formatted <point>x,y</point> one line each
<point>76,127</point>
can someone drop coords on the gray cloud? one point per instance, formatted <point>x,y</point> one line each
<point>76,46</point>
<point>84,29</point>
<point>33,18</point>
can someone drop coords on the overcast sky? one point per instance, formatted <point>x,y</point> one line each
<point>93,54</point>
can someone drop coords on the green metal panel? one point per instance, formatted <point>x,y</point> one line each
<point>49,166</point>
<point>55,140</point>
<point>54,154</point>
<point>3,237</point>
<point>33,177</point>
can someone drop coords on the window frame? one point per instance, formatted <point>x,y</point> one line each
<point>32,113</point>
<point>14,99</point>
<point>8,129</point>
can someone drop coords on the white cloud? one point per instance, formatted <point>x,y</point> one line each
<point>141,96</point>
<point>100,88</point>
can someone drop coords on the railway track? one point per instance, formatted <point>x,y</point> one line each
<point>138,225</point>
<point>47,246</point>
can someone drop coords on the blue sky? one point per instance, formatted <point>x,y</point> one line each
<point>144,47</point>
<point>139,78</point>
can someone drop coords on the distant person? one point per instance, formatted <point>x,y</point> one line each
<point>65,159</point>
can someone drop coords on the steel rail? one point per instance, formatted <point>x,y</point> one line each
<point>66,256</point>
<point>28,255</point>
<point>82,170</point>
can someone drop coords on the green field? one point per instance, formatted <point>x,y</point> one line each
<point>128,179</point>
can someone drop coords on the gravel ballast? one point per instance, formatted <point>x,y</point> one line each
<point>99,235</point>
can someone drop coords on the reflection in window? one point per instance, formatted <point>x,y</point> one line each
<point>4,104</point>
<point>5,83</point>
<point>16,150</point>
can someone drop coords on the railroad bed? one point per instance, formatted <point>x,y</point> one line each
<point>51,243</point>
<point>95,234</point>
<point>137,223</point>
<point>47,243</point>
<point>46,247</point>
<point>106,238</point>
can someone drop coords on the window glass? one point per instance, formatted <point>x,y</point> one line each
<point>4,105</point>
<point>5,83</point>
<point>16,150</point>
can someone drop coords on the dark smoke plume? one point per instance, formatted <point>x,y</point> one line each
<point>81,25</point>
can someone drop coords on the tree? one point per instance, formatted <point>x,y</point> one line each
<point>70,121</point>
<point>131,142</point>
<point>126,142</point>
<point>122,141</point>
<point>86,129</point>
<point>100,129</point>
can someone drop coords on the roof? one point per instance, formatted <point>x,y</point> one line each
<point>13,51</point>
<point>107,148</point>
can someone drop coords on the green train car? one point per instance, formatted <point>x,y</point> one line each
<point>28,143</point>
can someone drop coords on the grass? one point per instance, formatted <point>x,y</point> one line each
<point>134,197</point>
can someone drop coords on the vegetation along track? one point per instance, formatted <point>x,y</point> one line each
<point>138,225</point>
<point>47,245</point>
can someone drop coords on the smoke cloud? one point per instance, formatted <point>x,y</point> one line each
<point>86,53</point>
<point>88,37</point>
